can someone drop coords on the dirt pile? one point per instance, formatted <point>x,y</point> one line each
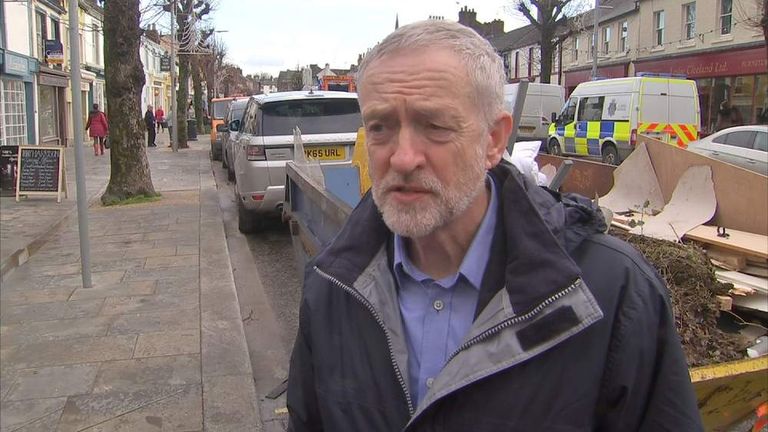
<point>692,285</point>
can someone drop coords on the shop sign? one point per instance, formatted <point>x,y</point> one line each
<point>165,64</point>
<point>15,64</point>
<point>53,80</point>
<point>729,63</point>
<point>54,51</point>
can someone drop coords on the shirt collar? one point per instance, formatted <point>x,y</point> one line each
<point>474,262</point>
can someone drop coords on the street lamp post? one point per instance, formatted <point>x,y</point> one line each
<point>174,132</point>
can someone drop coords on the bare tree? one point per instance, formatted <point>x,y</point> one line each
<point>550,19</point>
<point>130,175</point>
<point>188,15</point>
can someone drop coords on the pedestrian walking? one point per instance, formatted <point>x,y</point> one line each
<point>169,122</point>
<point>149,120</point>
<point>160,119</point>
<point>461,296</point>
<point>98,129</point>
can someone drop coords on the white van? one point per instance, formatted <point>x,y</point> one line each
<point>602,118</point>
<point>541,101</point>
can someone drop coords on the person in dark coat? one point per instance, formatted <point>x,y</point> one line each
<point>149,121</point>
<point>98,129</point>
<point>461,296</point>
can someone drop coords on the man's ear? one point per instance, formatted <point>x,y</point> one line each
<point>499,135</point>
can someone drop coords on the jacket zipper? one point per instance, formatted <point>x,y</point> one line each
<point>359,297</point>
<point>511,321</point>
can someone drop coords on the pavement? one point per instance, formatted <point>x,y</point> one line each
<point>157,343</point>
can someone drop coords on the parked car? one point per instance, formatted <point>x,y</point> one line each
<point>541,102</point>
<point>235,112</point>
<point>602,118</point>
<point>744,146</point>
<point>220,106</point>
<point>328,121</point>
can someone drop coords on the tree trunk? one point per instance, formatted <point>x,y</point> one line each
<point>182,104</point>
<point>197,85</point>
<point>129,175</point>
<point>545,70</point>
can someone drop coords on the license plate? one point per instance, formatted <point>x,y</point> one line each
<point>330,153</point>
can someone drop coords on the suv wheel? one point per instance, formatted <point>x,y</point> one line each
<point>246,222</point>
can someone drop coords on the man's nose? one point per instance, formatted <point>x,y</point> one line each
<point>408,154</point>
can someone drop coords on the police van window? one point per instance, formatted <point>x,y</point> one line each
<point>569,111</point>
<point>591,108</point>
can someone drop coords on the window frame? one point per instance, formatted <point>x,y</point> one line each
<point>722,16</point>
<point>658,28</point>
<point>41,33</point>
<point>623,35</point>
<point>689,27</point>
<point>606,33</point>
<point>576,49</point>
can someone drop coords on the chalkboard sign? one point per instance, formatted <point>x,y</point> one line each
<point>40,171</point>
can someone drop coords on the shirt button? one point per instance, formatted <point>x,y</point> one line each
<point>438,305</point>
<point>430,381</point>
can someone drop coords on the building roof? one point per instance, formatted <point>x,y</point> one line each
<point>517,38</point>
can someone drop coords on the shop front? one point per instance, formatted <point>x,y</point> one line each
<point>17,112</point>
<point>576,77</point>
<point>732,84</point>
<point>51,97</point>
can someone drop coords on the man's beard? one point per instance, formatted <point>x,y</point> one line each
<point>442,203</point>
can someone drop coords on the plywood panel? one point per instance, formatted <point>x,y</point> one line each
<point>742,195</point>
<point>586,177</point>
<point>748,243</point>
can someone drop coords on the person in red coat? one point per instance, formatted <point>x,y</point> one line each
<point>98,129</point>
<point>160,119</point>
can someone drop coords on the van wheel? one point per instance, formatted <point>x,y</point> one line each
<point>553,147</point>
<point>610,155</point>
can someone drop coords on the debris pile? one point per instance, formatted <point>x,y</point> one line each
<point>693,288</point>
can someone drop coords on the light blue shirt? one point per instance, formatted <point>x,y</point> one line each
<point>437,314</point>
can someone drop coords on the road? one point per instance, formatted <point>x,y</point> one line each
<point>269,291</point>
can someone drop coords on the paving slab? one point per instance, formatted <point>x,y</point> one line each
<point>146,373</point>
<point>167,343</point>
<point>57,381</point>
<point>67,351</point>
<point>156,344</point>
<point>29,332</point>
<point>30,413</point>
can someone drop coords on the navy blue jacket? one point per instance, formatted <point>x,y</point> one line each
<point>573,332</point>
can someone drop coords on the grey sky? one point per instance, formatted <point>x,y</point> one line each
<point>279,34</point>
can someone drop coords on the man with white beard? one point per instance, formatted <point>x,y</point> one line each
<point>461,297</point>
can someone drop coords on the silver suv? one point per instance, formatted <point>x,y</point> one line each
<point>328,122</point>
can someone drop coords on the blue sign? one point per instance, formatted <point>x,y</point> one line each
<point>54,51</point>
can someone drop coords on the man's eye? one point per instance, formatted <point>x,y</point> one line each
<point>375,127</point>
<point>434,126</point>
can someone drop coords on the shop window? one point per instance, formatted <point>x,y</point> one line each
<point>658,23</point>
<point>49,116</point>
<point>689,21</point>
<point>13,114</point>
<point>726,16</point>
<point>591,108</point>
<point>761,99</point>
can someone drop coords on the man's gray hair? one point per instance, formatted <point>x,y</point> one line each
<point>484,67</point>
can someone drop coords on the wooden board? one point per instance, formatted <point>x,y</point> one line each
<point>729,259</point>
<point>745,242</point>
<point>742,195</point>
<point>743,280</point>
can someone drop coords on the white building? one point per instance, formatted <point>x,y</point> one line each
<point>155,91</point>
